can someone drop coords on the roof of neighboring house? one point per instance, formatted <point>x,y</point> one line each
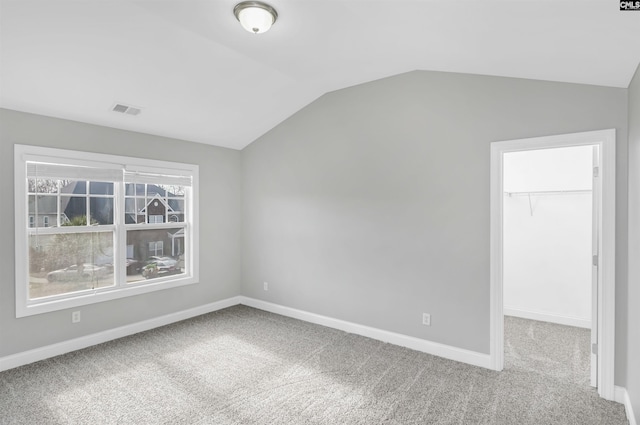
<point>157,197</point>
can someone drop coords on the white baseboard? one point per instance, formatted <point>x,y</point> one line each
<point>441,350</point>
<point>37,354</point>
<point>429,347</point>
<point>548,317</point>
<point>622,396</point>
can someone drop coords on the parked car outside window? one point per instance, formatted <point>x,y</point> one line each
<point>85,271</point>
<point>158,266</point>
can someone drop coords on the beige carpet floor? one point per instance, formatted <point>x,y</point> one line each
<point>245,366</point>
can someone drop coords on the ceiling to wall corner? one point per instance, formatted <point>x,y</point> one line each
<point>197,75</point>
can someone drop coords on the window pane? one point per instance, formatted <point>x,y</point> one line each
<point>67,263</point>
<point>132,189</point>
<point>174,190</point>
<point>130,210</point>
<point>43,185</point>
<point>101,188</point>
<point>101,210</point>
<point>176,213</point>
<point>134,210</point>
<point>155,253</point>
<point>73,187</point>
<point>130,205</point>
<point>47,210</point>
<point>74,209</point>
<point>153,189</point>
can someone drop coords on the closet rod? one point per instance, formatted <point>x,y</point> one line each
<point>548,192</point>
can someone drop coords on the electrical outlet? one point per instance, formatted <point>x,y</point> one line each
<point>426,319</point>
<point>75,317</point>
<point>266,286</point>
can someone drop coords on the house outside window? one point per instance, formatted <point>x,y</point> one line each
<point>93,227</point>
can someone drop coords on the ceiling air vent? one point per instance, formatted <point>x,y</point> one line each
<point>126,109</point>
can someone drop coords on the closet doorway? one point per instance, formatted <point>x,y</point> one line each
<point>548,276</point>
<point>552,250</point>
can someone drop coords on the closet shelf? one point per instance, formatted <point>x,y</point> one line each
<point>549,192</point>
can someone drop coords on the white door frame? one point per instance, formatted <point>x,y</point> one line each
<point>606,140</point>
<point>595,267</point>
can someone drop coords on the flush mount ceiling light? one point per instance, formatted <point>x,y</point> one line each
<point>255,16</point>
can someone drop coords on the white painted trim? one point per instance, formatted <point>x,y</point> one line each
<point>607,269</point>
<point>496,270</point>
<point>37,354</point>
<point>434,348</point>
<point>606,141</point>
<point>544,316</point>
<point>622,396</point>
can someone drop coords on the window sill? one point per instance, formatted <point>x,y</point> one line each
<point>93,297</point>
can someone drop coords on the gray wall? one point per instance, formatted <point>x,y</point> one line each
<point>371,204</point>
<point>220,186</point>
<point>633,356</point>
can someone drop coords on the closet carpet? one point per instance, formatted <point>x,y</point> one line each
<point>245,366</point>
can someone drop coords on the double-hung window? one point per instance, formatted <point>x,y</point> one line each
<point>93,227</point>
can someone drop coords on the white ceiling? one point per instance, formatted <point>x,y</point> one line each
<point>199,76</point>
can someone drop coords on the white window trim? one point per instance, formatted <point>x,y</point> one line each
<point>26,307</point>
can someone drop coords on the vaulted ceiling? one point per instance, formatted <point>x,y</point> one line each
<point>198,76</point>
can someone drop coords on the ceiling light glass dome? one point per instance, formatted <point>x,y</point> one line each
<point>255,16</point>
